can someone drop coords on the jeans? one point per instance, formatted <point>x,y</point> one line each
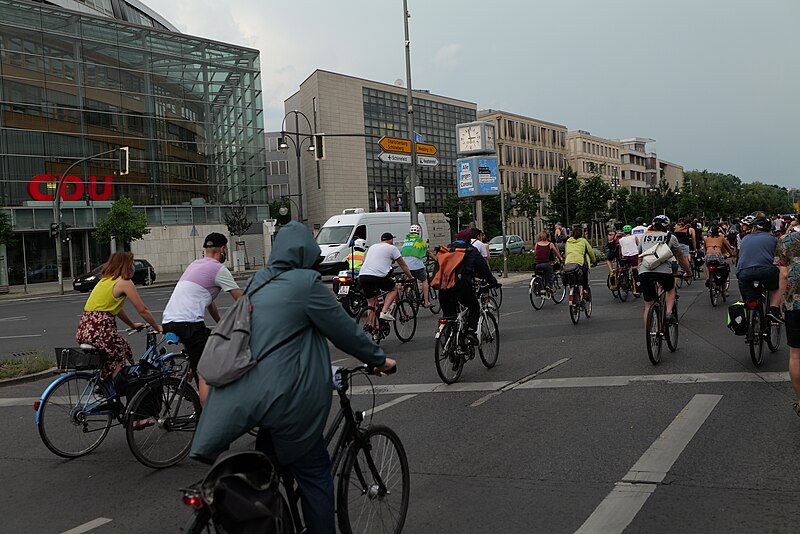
<point>768,275</point>
<point>549,275</point>
<point>313,475</point>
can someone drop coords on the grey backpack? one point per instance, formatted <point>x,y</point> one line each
<point>226,356</point>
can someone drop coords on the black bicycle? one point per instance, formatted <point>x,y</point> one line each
<point>412,293</point>
<point>538,291</point>
<point>658,329</point>
<point>715,286</point>
<point>759,327</point>
<point>370,462</point>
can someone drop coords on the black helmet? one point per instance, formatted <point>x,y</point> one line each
<point>639,220</point>
<point>763,224</point>
<point>661,220</point>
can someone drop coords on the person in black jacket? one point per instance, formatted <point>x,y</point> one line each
<point>463,292</point>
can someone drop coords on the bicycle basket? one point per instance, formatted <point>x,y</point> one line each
<point>70,358</point>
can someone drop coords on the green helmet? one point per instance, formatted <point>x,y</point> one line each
<point>627,229</point>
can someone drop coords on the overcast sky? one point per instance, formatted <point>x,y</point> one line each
<point>715,82</point>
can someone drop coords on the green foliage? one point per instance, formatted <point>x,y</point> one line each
<point>516,262</point>
<point>556,205</point>
<point>715,195</point>
<point>6,230</point>
<point>122,224</point>
<point>593,198</point>
<point>275,211</point>
<point>619,204</point>
<point>492,223</point>
<point>452,204</point>
<point>638,206</point>
<point>30,363</point>
<point>528,201</point>
<point>236,220</point>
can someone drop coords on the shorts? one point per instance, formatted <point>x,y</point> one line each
<point>633,261</point>
<point>768,275</point>
<point>612,254</point>
<point>193,336</point>
<point>372,285</point>
<point>420,274</point>
<point>792,318</point>
<point>647,284</point>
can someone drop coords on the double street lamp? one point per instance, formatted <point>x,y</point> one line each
<point>653,190</point>
<point>615,184</point>
<point>565,175</point>
<point>297,139</point>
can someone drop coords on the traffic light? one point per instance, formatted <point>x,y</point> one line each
<point>319,146</point>
<point>512,200</point>
<point>53,229</point>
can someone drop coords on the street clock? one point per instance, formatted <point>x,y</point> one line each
<point>475,138</point>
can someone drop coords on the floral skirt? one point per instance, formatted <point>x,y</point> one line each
<point>100,330</point>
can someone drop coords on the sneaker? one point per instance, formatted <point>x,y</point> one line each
<point>386,316</point>
<point>775,315</point>
<point>672,318</point>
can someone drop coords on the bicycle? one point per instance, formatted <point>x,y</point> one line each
<point>76,411</point>
<point>580,300</point>
<point>759,327</point>
<point>370,462</point>
<point>697,263</point>
<point>538,291</point>
<point>625,282</point>
<point>411,292</point>
<point>655,332</point>
<point>715,287</point>
<point>452,349</point>
<point>405,319</point>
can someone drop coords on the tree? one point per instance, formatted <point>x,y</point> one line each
<point>593,198</point>
<point>122,224</point>
<point>452,204</point>
<point>555,210</point>
<point>619,205</point>
<point>6,230</point>
<point>236,220</point>
<point>528,201</point>
<point>492,224</point>
<point>638,205</point>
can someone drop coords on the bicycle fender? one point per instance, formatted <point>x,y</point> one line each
<point>52,386</point>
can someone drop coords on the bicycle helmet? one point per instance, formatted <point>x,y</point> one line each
<point>640,220</point>
<point>763,224</point>
<point>627,229</point>
<point>360,244</point>
<point>747,220</point>
<point>415,229</point>
<point>661,220</point>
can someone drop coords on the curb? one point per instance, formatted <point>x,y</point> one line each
<point>28,378</point>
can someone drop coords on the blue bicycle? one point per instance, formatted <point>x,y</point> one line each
<point>76,411</point>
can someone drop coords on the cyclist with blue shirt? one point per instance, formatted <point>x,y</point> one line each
<point>757,263</point>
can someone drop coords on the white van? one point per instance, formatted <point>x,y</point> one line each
<point>335,235</point>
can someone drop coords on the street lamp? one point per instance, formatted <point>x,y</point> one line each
<point>283,210</point>
<point>653,191</point>
<point>566,177</point>
<point>615,184</point>
<point>299,139</point>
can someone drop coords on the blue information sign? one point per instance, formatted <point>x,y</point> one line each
<point>477,176</point>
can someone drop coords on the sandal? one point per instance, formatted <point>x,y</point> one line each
<point>141,424</point>
<point>796,406</point>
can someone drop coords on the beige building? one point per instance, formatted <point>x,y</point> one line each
<point>639,167</point>
<point>672,173</point>
<point>589,155</point>
<point>352,175</point>
<point>528,150</point>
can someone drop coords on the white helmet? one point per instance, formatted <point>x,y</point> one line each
<point>360,244</point>
<point>415,229</point>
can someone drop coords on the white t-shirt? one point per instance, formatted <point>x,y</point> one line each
<point>639,230</point>
<point>480,247</point>
<point>628,246</point>
<point>198,287</point>
<point>379,258</point>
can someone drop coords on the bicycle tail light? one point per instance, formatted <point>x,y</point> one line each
<point>442,321</point>
<point>193,500</point>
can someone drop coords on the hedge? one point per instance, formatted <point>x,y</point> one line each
<point>524,262</point>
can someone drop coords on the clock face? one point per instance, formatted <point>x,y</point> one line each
<point>490,137</point>
<point>469,138</point>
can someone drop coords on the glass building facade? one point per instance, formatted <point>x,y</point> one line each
<point>385,113</point>
<point>75,84</point>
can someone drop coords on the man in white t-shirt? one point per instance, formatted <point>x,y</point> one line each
<point>640,227</point>
<point>376,273</point>
<point>194,293</point>
<point>476,235</point>
<point>629,255</point>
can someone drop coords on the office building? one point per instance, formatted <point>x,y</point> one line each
<point>589,155</point>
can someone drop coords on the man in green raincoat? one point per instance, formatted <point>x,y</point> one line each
<point>288,393</point>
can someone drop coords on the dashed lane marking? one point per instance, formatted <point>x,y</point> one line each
<point>86,527</point>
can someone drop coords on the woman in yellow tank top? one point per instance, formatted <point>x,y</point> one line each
<point>98,324</point>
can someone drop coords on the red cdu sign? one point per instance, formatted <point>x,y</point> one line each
<point>37,192</point>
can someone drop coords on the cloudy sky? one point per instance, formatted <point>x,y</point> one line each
<point>715,82</point>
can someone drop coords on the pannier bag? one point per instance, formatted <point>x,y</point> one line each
<point>572,275</point>
<point>737,318</point>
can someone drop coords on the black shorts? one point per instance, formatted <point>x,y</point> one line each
<point>193,336</point>
<point>372,285</point>
<point>792,327</point>
<point>647,284</point>
<point>420,274</point>
<point>612,254</point>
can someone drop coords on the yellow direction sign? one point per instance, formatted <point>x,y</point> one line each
<point>424,149</point>
<point>395,144</point>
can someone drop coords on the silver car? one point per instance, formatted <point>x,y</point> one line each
<point>514,244</point>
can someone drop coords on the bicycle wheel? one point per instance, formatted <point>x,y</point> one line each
<point>354,302</point>
<point>755,337</point>
<point>161,420</point>
<point>74,417</point>
<point>559,291</point>
<point>489,348</point>
<point>405,320</point>
<point>537,293</point>
<point>366,321</point>
<point>624,286</point>
<point>774,337</point>
<point>411,296</point>
<point>433,298</point>
<point>614,288</point>
<point>574,305</point>
<point>497,294</point>
<point>587,303</point>
<point>449,363</point>
<point>653,333</point>
<point>374,485</point>
<point>725,290</point>
<point>671,331</point>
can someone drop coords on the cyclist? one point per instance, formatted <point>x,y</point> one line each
<point>716,247</point>
<point>198,286</point>
<point>356,258</point>
<point>756,262</point>
<point>98,323</point>
<point>376,273</point>
<point>662,274</point>
<point>476,239</point>
<point>288,392</point>
<point>576,252</point>
<point>787,257</point>
<point>546,249</point>
<point>414,252</point>
<point>686,237</point>
<point>612,254</point>
<point>629,255</point>
<point>640,227</point>
<point>463,292</point>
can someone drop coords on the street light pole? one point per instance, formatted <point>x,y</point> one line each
<point>566,178</point>
<point>615,183</point>
<point>412,174</point>
<point>298,144</point>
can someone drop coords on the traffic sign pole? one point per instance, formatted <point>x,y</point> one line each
<point>412,176</point>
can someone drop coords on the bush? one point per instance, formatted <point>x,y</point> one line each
<point>516,262</point>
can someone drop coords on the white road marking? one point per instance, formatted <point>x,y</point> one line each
<point>618,509</point>
<point>17,337</point>
<point>86,527</point>
<point>519,382</point>
<point>389,404</point>
<point>512,313</point>
<point>18,318</point>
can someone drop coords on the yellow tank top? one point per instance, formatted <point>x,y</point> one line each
<point>102,298</point>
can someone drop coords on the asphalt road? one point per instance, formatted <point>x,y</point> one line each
<point>594,443</point>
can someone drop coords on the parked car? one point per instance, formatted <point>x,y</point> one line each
<point>143,274</point>
<point>514,244</point>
